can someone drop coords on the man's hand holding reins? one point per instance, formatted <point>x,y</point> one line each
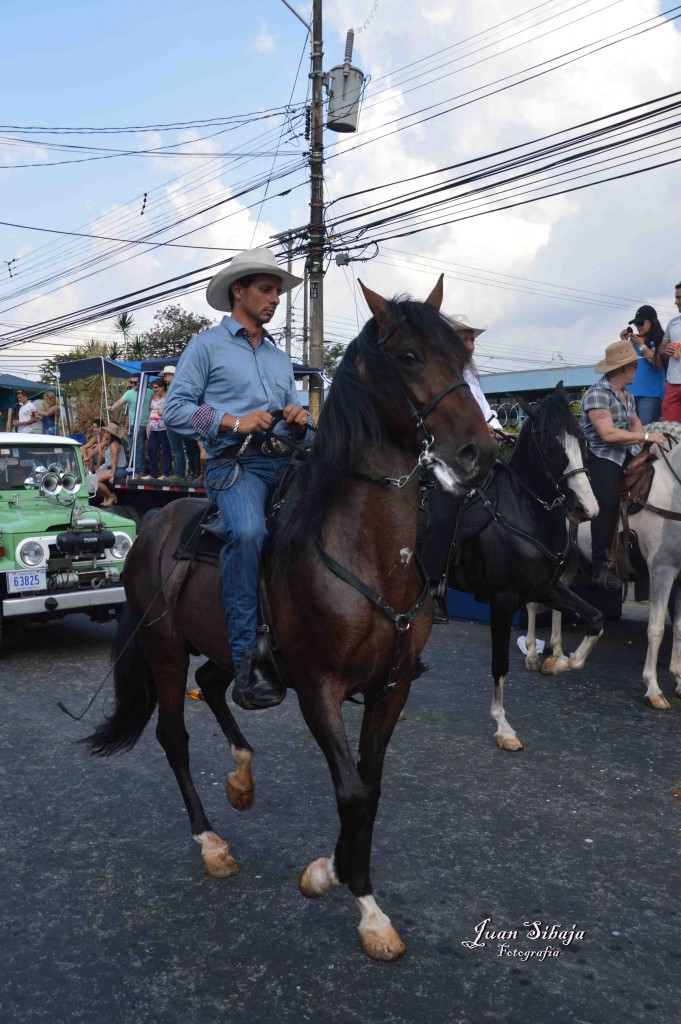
<point>296,417</point>
<point>252,423</point>
<point>259,420</point>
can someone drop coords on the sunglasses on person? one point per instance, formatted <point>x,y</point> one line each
<point>134,383</point>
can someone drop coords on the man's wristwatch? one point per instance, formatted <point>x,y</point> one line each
<point>235,428</point>
<point>645,438</point>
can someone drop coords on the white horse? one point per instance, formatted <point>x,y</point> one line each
<point>660,544</point>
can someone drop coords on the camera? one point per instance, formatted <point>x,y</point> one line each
<point>630,330</point>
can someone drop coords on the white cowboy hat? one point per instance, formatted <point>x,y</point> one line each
<point>620,353</point>
<point>251,261</point>
<point>168,369</point>
<point>462,321</point>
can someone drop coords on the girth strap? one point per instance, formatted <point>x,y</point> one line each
<point>402,620</point>
<point>666,513</point>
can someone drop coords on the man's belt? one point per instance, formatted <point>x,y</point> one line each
<point>259,445</point>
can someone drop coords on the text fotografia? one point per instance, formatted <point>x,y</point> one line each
<point>533,931</point>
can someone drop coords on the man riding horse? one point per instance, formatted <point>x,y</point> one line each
<point>229,381</point>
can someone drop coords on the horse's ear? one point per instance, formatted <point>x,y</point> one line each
<point>379,306</point>
<point>560,390</point>
<point>437,294</point>
<point>527,408</point>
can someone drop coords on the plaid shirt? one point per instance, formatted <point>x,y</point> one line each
<point>602,395</point>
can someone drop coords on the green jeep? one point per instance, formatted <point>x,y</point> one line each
<point>58,553</point>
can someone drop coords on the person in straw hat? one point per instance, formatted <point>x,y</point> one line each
<point>229,381</point>
<point>611,426</point>
<point>115,461</point>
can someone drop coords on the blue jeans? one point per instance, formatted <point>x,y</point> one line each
<point>649,410</point>
<point>158,439</point>
<point>242,507</point>
<point>177,449</point>
<point>140,451</point>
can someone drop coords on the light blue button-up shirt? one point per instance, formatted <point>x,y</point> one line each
<point>220,372</point>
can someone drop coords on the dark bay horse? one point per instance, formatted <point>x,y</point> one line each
<point>524,542</point>
<point>397,402</point>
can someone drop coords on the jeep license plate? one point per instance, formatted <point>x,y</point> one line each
<point>35,579</point>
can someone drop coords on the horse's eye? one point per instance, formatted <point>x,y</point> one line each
<point>407,358</point>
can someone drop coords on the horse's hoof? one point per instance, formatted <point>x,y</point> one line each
<point>509,742</point>
<point>240,798</point>
<point>554,666</point>
<point>659,702</point>
<point>382,943</point>
<point>532,664</point>
<point>217,857</point>
<point>240,788</point>
<point>317,878</point>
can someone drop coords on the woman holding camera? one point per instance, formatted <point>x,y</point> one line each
<point>648,384</point>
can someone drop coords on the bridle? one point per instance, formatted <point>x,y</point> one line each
<point>418,417</point>
<point>561,496</point>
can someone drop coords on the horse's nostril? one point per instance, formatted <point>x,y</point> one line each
<point>469,456</point>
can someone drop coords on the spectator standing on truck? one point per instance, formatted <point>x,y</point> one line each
<point>157,434</point>
<point>229,381</point>
<point>26,416</point>
<point>176,440</point>
<point>129,398</point>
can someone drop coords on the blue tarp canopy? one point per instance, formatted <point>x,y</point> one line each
<point>76,369</point>
<point>8,380</point>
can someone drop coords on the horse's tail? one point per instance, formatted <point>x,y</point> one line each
<point>134,690</point>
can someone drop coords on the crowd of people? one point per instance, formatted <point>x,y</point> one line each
<point>160,453</point>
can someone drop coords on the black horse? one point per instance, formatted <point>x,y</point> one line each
<point>515,538</point>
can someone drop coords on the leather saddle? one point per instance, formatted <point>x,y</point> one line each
<point>637,479</point>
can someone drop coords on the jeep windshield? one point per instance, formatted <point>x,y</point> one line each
<point>23,462</point>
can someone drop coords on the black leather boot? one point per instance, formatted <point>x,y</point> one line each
<point>419,668</point>
<point>607,580</point>
<point>254,688</point>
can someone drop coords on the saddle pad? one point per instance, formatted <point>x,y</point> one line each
<point>202,543</point>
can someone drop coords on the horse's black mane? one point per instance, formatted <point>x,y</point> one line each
<point>349,420</point>
<point>553,416</point>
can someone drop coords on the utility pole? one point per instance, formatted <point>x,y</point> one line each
<point>316,228</point>
<point>289,309</point>
<point>306,352</point>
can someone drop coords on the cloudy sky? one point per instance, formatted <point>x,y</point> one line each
<point>553,280</point>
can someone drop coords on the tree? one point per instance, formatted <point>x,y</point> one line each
<point>124,323</point>
<point>174,328</point>
<point>332,357</point>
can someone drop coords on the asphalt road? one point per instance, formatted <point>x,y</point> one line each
<point>110,918</point>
